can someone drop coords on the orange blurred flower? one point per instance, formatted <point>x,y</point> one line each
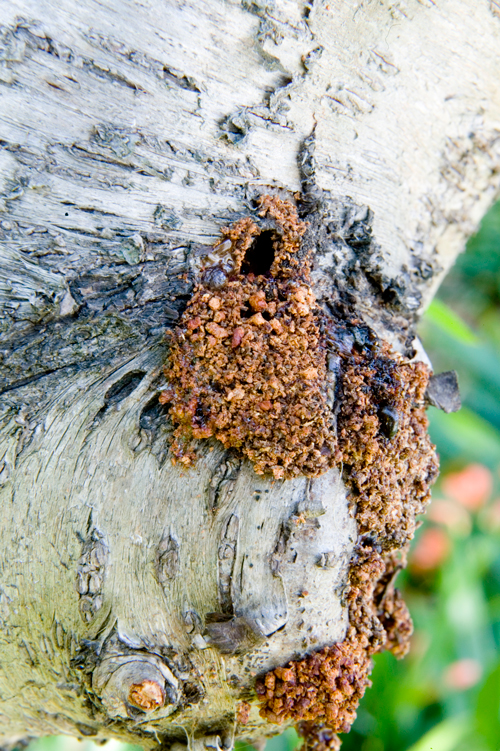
<point>490,519</point>
<point>432,548</point>
<point>420,641</point>
<point>451,514</point>
<point>463,674</point>
<point>471,487</point>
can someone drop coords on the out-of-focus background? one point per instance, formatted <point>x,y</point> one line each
<point>445,695</point>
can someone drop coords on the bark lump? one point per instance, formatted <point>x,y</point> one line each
<point>247,362</point>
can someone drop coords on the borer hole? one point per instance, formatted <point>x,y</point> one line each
<point>153,415</point>
<point>124,387</point>
<point>260,255</point>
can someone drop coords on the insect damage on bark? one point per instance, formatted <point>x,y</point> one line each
<point>389,474</point>
<point>247,362</point>
<point>258,365</point>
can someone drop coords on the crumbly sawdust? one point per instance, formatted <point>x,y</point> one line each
<point>319,736</point>
<point>326,686</point>
<point>247,363</point>
<point>243,712</point>
<point>389,465</point>
<point>389,475</point>
<point>248,366</point>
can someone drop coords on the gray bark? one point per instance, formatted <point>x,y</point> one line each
<point>130,134</point>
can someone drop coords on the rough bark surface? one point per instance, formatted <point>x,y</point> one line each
<point>138,599</point>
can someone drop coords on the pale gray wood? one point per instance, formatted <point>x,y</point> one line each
<point>130,133</point>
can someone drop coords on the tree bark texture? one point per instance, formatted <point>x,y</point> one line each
<point>131,134</point>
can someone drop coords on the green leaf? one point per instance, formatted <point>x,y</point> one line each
<point>445,736</point>
<point>443,316</point>
<point>488,710</point>
<point>466,436</point>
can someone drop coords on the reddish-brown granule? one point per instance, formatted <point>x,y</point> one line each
<point>389,477</point>
<point>319,736</point>
<point>325,685</point>
<point>248,366</point>
<point>147,695</point>
<point>389,464</point>
<point>243,712</point>
<point>247,363</point>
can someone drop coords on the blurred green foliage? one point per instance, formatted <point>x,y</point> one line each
<point>65,743</point>
<point>445,695</point>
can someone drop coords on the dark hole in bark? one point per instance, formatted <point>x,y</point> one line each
<point>260,255</point>
<point>153,415</point>
<point>124,387</point>
<point>85,729</point>
<point>389,295</point>
<point>389,421</point>
<point>192,692</point>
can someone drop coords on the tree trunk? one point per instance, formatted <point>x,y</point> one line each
<point>141,599</point>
